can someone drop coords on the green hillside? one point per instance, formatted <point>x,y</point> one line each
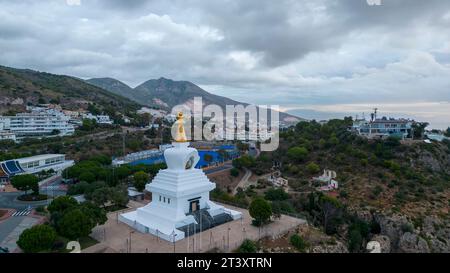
<point>20,87</point>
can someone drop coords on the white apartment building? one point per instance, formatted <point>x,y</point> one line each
<point>40,122</point>
<point>7,135</point>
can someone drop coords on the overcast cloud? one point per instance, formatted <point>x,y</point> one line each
<point>325,56</point>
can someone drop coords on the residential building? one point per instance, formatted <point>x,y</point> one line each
<point>384,128</point>
<point>7,135</point>
<point>278,181</point>
<point>100,119</point>
<point>327,177</point>
<point>39,123</point>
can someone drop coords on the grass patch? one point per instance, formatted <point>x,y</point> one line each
<point>114,208</point>
<point>61,244</point>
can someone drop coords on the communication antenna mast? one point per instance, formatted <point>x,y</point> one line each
<point>375,112</point>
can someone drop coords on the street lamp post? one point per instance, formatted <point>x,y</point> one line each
<point>130,240</point>
<point>174,235</point>
<point>228,239</point>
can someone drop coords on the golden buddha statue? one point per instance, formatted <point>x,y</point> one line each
<point>181,135</point>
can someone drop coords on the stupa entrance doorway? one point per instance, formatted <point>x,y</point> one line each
<point>194,205</point>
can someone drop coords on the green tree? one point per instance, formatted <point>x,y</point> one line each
<point>119,196</point>
<point>276,195</point>
<point>260,210</point>
<point>276,210</point>
<point>297,153</point>
<point>79,188</point>
<point>244,161</point>
<point>87,176</point>
<point>313,168</point>
<point>419,129</point>
<point>122,172</point>
<point>25,183</point>
<point>88,125</point>
<point>234,172</point>
<point>75,224</point>
<point>100,196</point>
<point>331,210</point>
<point>140,179</point>
<point>447,132</point>
<point>333,141</point>
<point>96,215</point>
<point>102,159</point>
<point>61,204</point>
<point>37,239</point>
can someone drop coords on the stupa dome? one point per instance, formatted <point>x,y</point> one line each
<point>181,156</point>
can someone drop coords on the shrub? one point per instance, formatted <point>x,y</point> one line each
<point>407,228</point>
<point>355,240</point>
<point>248,246</point>
<point>298,242</point>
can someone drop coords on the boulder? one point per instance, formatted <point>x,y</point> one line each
<point>391,226</point>
<point>412,243</point>
<point>439,245</point>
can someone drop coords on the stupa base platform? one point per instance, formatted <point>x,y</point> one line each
<point>193,223</point>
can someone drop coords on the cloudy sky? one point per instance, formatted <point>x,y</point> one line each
<point>315,58</point>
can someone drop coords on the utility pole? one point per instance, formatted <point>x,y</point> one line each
<point>123,144</point>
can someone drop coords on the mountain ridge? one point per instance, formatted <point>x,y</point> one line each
<point>167,93</point>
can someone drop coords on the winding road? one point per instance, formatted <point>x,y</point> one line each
<point>244,181</point>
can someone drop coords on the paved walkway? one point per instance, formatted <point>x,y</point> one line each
<point>115,236</point>
<point>244,183</point>
<point>11,229</point>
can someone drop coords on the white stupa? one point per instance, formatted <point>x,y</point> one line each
<point>180,196</point>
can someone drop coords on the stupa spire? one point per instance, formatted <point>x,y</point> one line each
<point>181,134</point>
